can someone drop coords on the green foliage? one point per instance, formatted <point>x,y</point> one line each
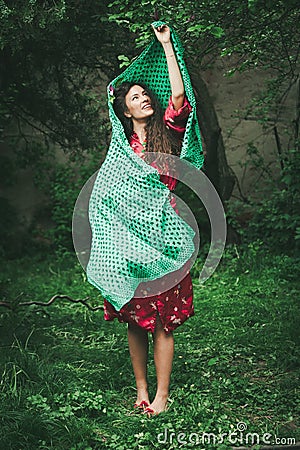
<point>66,380</point>
<point>55,59</point>
<point>59,182</point>
<point>62,52</point>
<point>255,34</point>
<point>252,30</point>
<point>53,68</point>
<point>64,406</point>
<point>8,218</point>
<point>274,218</point>
<point>64,187</point>
<point>15,238</point>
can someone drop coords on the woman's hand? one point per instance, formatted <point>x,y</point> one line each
<point>163,34</point>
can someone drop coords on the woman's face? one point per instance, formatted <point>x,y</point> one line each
<point>138,103</point>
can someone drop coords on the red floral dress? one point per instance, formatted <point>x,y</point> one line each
<point>174,306</point>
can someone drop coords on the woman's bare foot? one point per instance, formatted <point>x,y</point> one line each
<point>142,400</point>
<point>158,405</point>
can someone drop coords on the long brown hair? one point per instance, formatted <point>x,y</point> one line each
<point>159,138</point>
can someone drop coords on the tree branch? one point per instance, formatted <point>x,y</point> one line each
<point>279,148</point>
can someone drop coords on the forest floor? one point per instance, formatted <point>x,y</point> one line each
<point>66,380</point>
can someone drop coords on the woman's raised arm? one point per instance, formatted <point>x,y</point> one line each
<point>177,88</point>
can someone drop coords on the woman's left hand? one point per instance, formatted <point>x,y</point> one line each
<point>163,34</point>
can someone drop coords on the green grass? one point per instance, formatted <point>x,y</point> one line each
<point>65,375</point>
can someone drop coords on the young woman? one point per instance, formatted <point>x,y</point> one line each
<point>148,129</point>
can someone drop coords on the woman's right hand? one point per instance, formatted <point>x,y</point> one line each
<point>163,34</point>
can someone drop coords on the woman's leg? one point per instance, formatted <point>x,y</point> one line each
<point>138,348</point>
<point>163,359</point>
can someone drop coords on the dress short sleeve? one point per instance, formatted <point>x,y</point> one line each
<point>176,119</point>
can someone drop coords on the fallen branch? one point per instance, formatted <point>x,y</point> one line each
<point>6,305</point>
<point>82,301</point>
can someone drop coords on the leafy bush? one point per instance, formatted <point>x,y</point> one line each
<point>65,187</point>
<point>275,218</point>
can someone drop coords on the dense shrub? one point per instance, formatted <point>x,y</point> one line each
<point>275,217</point>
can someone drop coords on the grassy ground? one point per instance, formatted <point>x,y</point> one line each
<point>66,380</point>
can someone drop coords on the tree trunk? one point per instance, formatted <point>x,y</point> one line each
<point>216,166</point>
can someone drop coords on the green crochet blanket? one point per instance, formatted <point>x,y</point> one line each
<point>136,234</point>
